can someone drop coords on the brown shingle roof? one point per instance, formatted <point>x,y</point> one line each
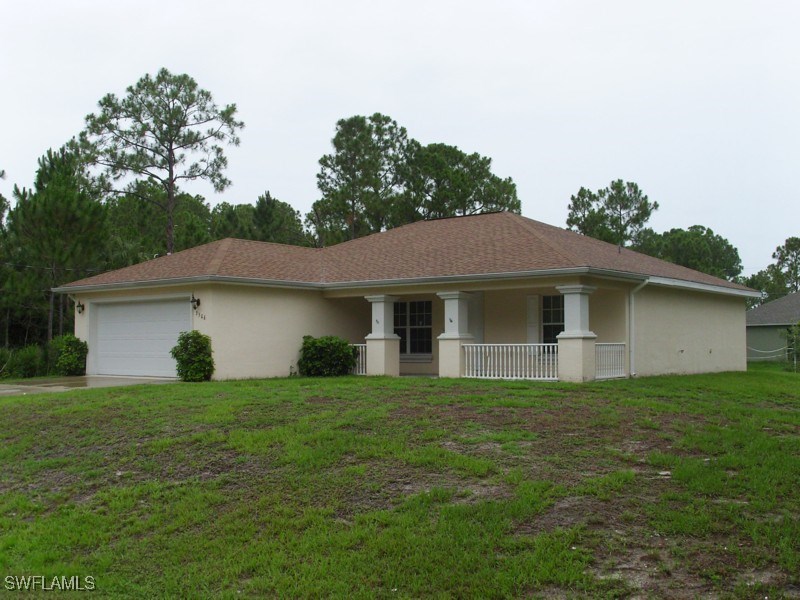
<point>223,258</point>
<point>493,243</point>
<point>783,311</point>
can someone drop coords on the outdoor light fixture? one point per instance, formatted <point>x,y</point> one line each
<point>79,307</point>
<point>195,302</point>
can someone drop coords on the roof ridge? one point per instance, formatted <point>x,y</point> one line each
<point>527,224</point>
<point>216,261</point>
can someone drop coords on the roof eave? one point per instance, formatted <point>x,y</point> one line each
<point>467,278</point>
<point>179,281</point>
<point>703,287</point>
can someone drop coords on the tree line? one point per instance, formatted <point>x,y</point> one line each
<point>620,212</point>
<point>112,197</point>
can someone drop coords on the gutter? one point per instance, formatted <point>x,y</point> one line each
<point>702,287</point>
<point>469,278</point>
<point>179,281</point>
<point>632,326</point>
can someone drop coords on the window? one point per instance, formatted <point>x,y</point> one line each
<point>413,323</point>
<point>552,318</point>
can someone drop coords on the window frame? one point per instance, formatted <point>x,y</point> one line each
<point>548,322</point>
<point>407,327</point>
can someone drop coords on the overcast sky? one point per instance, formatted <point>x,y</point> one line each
<point>696,101</point>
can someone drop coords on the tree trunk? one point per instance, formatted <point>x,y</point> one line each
<point>171,203</point>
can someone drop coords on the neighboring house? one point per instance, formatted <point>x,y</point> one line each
<point>494,295</point>
<point>767,325</point>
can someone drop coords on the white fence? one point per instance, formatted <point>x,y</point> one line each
<point>609,361</point>
<point>361,360</point>
<point>511,361</point>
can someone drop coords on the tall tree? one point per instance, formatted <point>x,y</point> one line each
<point>614,214</point>
<point>377,177</point>
<point>270,220</point>
<point>697,248</point>
<point>3,203</point>
<point>359,181</point>
<point>276,221</point>
<point>770,281</point>
<point>166,130</point>
<point>232,220</point>
<point>58,228</point>
<point>137,228</point>
<point>442,181</point>
<point>587,217</point>
<point>787,260</point>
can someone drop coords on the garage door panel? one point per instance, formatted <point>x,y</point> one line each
<point>136,338</point>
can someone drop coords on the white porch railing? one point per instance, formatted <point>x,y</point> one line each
<point>609,361</point>
<point>511,361</point>
<point>361,359</point>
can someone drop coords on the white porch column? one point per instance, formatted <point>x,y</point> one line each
<point>456,332</point>
<point>576,360</point>
<point>383,344</point>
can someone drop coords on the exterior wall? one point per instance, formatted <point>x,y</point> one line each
<point>505,316</point>
<point>506,313</point>
<point>608,314</point>
<point>255,331</point>
<point>767,342</point>
<point>679,331</point>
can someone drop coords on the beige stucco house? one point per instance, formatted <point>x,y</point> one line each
<point>494,295</point>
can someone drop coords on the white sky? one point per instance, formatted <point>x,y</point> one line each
<point>696,101</point>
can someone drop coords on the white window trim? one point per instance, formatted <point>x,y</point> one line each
<point>542,321</point>
<point>409,357</point>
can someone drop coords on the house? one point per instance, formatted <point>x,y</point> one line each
<point>767,325</point>
<point>494,295</point>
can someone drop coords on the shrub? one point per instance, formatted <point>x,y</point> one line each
<point>193,355</point>
<point>67,355</point>
<point>326,356</point>
<point>793,346</point>
<point>27,362</point>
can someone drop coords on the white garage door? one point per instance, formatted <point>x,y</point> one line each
<point>134,338</point>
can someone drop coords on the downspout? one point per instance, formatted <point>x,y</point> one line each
<point>632,327</point>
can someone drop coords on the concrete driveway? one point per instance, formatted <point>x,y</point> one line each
<point>62,384</point>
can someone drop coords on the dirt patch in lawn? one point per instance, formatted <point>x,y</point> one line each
<point>387,485</point>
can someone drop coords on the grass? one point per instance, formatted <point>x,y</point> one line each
<point>406,488</point>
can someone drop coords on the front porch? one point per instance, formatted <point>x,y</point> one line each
<point>522,361</point>
<point>537,333</point>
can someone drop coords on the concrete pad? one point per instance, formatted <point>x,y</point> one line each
<point>61,384</point>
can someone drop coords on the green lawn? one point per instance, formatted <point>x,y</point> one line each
<point>407,488</point>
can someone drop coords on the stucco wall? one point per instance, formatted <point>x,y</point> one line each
<point>608,314</point>
<point>255,331</point>
<point>679,331</point>
<point>764,342</point>
<point>505,315</point>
